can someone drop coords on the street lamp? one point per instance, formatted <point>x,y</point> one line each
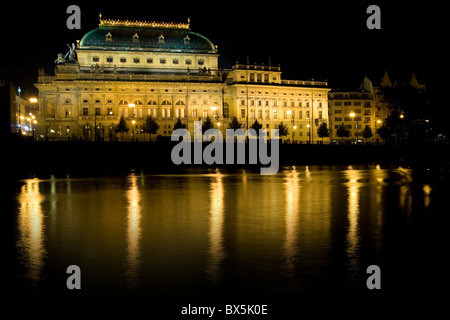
<point>20,122</point>
<point>133,122</point>
<point>309,132</point>
<point>352,115</point>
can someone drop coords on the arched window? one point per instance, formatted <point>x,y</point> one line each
<point>180,103</point>
<point>123,102</point>
<point>166,103</point>
<point>152,103</point>
<point>138,102</point>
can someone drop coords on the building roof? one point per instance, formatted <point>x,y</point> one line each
<point>125,35</point>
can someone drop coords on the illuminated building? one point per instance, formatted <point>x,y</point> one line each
<point>136,69</point>
<point>357,109</point>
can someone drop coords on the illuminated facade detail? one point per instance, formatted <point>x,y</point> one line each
<point>164,70</point>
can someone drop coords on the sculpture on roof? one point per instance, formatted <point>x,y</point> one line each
<point>60,59</point>
<point>71,54</point>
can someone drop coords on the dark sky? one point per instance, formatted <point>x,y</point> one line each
<point>308,39</point>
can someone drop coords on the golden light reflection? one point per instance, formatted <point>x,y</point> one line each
<point>292,194</point>
<point>31,228</point>
<point>426,194</point>
<point>133,232</point>
<point>215,235</point>
<point>353,235</point>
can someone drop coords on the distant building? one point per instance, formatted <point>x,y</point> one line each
<point>357,109</point>
<point>134,69</point>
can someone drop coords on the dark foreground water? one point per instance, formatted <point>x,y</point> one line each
<point>216,237</point>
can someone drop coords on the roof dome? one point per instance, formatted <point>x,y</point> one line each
<point>146,36</point>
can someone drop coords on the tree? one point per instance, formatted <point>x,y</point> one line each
<point>122,127</point>
<point>342,132</point>
<point>179,125</point>
<point>385,133</point>
<point>256,126</point>
<point>208,124</point>
<point>411,114</point>
<point>150,126</point>
<point>282,129</point>
<point>367,132</point>
<point>234,124</point>
<point>323,131</point>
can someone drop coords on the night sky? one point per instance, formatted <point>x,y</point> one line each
<point>309,40</point>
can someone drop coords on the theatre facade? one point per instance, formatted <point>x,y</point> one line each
<point>137,69</point>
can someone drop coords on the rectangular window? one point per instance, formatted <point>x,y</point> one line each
<point>258,77</point>
<point>266,113</point>
<point>242,102</point>
<point>194,112</point>
<point>188,61</point>
<point>205,113</point>
<point>200,62</point>
<point>226,112</point>
<point>307,114</point>
<point>347,103</point>
<point>109,59</point>
<point>85,111</point>
<point>300,114</point>
<point>259,114</point>
<point>175,61</point>
<point>242,113</point>
<point>320,114</point>
<point>284,114</point>
<point>252,113</point>
<point>252,77</point>
<point>68,113</point>
<point>95,59</point>
<point>274,113</point>
<point>97,111</point>
<point>162,61</point>
<point>136,60</point>
<point>123,60</point>
<point>266,77</point>
<point>149,60</point>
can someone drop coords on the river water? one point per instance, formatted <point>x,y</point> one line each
<point>227,236</point>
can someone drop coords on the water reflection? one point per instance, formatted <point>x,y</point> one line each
<point>133,232</point>
<point>215,234</point>
<point>31,229</point>
<point>353,234</point>
<point>292,193</point>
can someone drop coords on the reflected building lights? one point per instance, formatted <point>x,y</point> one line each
<point>31,228</point>
<point>215,235</point>
<point>292,194</point>
<point>133,232</point>
<point>353,235</point>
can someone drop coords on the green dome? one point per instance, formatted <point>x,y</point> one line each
<point>145,36</point>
